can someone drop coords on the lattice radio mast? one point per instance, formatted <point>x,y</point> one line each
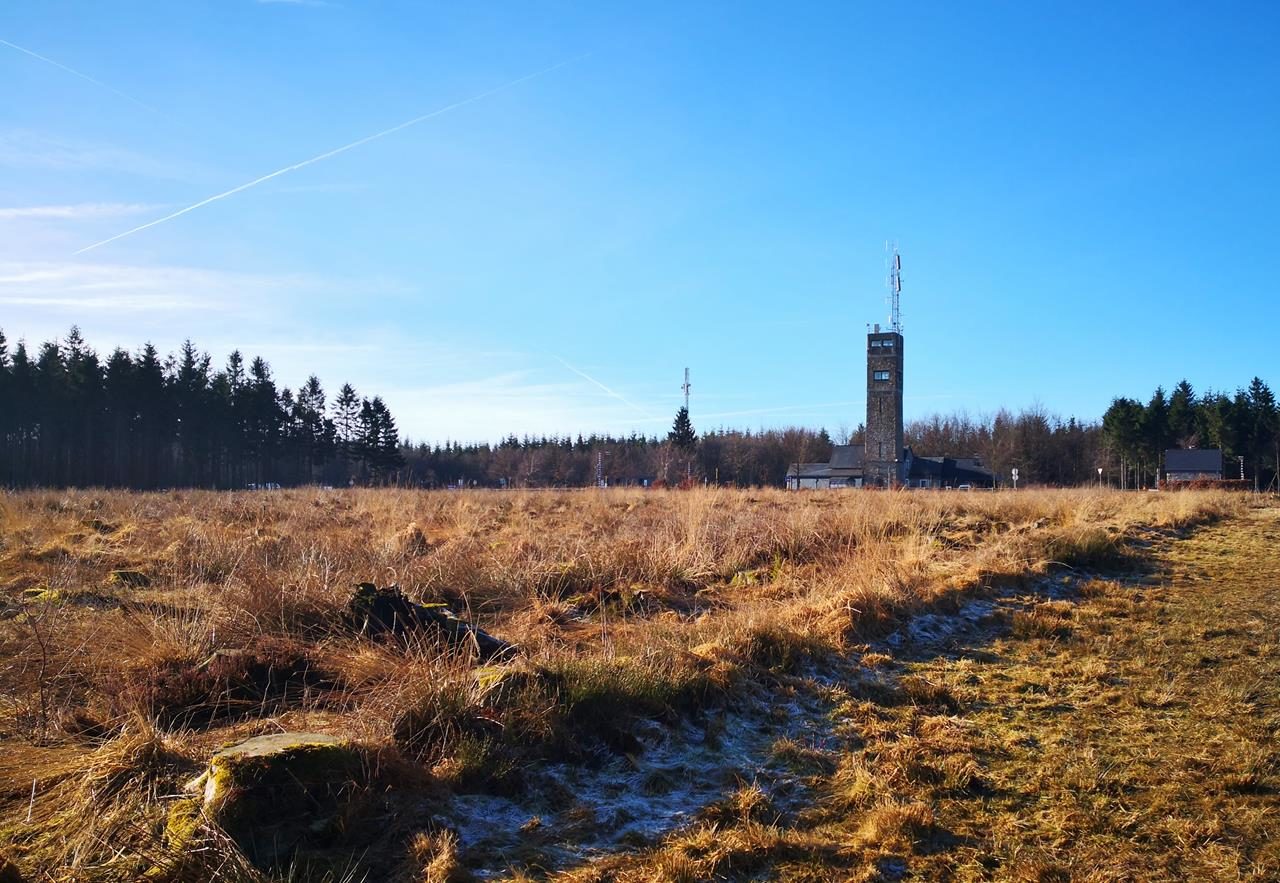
<point>688,463</point>
<point>895,287</point>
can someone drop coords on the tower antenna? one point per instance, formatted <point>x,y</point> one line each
<point>686,386</point>
<point>895,287</point>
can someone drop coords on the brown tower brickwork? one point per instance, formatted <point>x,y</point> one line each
<point>884,464</point>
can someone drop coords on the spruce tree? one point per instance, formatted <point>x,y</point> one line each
<point>312,433</point>
<point>346,424</point>
<point>682,434</point>
<point>368,439</point>
<point>8,416</point>
<point>684,440</point>
<point>1264,429</point>
<point>1155,429</point>
<point>193,417</point>
<point>1182,415</point>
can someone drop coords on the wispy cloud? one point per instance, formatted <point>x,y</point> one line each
<point>60,287</point>
<point>262,304</point>
<point>126,302</point>
<point>76,73</point>
<point>327,155</point>
<point>494,406</point>
<point>75,212</point>
<point>32,150</point>
<point>322,349</point>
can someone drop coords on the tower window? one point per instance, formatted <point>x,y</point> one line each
<point>880,375</point>
<point>887,343</point>
<point>876,343</point>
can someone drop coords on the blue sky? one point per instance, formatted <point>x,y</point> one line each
<point>1085,198</point>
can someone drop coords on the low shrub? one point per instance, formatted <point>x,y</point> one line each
<point>258,679</point>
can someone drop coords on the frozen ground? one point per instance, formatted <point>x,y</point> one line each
<point>569,814</point>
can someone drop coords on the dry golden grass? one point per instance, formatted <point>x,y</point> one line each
<point>1135,743</point>
<point>626,605</point>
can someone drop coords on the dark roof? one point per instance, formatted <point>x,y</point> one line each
<point>810,470</point>
<point>1207,460</point>
<point>948,469</point>
<point>848,461</point>
<point>847,456</point>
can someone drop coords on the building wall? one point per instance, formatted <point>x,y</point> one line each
<point>1192,476</point>
<point>883,460</point>
<point>802,484</point>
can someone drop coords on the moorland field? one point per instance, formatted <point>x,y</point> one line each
<point>706,684</point>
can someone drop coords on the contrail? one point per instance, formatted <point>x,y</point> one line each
<point>77,73</point>
<point>331,153</point>
<point>585,376</point>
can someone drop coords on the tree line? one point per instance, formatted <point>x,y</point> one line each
<point>725,456</point>
<point>1046,449</point>
<point>139,420</point>
<point>1043,447</point>
<point>1127,446</point>
<point>1244,424</point>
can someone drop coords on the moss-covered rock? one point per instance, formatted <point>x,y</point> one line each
<point>496,685</point>
<point>78,597</point>
<point>389,611</point>
<point>130,579</point>
<point>184,819</point>
<point>276,794</point>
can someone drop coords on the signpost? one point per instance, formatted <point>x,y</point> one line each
<point>1015,478</point>
<point>1099,476</point>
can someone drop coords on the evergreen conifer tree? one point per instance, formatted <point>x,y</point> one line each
<point>682,434</point>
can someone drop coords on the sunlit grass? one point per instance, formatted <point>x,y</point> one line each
<point>626,605</point>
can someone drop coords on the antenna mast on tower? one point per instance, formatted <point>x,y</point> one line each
<point>895,288</point>
<point>686,387</point>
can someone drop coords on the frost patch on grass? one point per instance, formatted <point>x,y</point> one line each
<point>569,814</point>
<point>929,629</point>
<point>976,618</point>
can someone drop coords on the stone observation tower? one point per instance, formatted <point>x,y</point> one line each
<point>884,461</point>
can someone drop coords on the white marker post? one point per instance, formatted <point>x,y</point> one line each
<point>1015,478</point>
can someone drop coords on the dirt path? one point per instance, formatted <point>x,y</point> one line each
<point>1089,730</point>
